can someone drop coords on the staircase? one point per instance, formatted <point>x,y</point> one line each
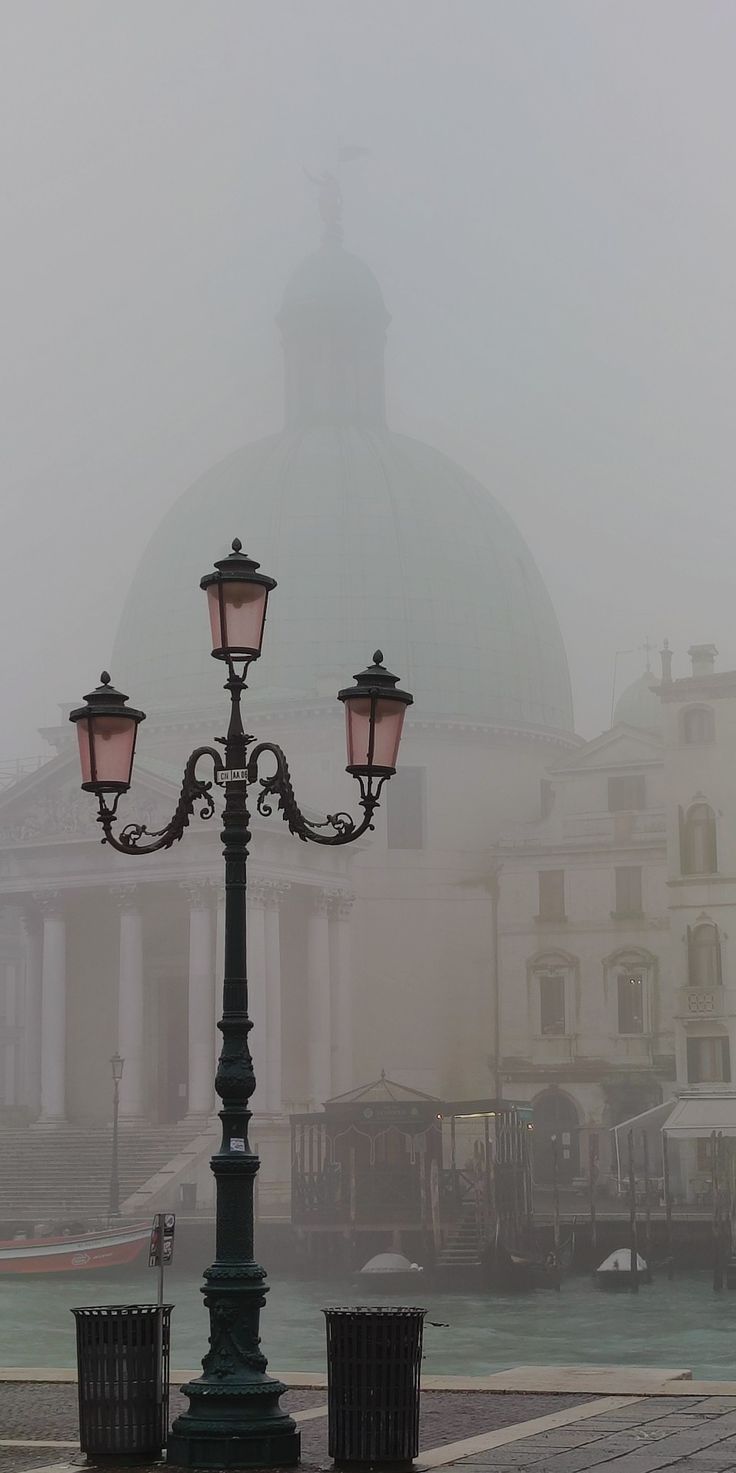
<point>462,1249</point>
<point>63,1173</point>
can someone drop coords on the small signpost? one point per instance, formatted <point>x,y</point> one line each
<point>231,775</point>
<point>161,1247</point>
<point>160,1256</point>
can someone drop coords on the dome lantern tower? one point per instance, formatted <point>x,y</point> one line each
<point>333,324</point>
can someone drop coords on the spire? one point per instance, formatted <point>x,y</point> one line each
<point>665,656</point>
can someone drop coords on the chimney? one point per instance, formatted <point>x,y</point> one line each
<point>703,658</point>
<point>665,656</point>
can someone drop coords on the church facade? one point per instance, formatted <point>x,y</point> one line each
<point>414,952</point>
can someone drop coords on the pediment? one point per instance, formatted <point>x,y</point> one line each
<point>49,805</point>
<point>622,746</point>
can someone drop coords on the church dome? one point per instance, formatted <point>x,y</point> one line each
<point>375,539</point>
<point>639,705</point>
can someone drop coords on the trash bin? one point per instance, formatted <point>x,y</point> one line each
<point>374,1359</point>
<point>123,1369</point>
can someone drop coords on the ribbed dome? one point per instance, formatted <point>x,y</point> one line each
<point>639,705</point>
<point>376,540</point>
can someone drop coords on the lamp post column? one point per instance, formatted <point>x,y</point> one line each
<point>234,1419</point>
<point>53,1010</point>
<point>131,1001</point>
<point>114,1206</point>
<point>319,989</point>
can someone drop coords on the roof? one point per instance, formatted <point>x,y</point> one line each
<point>382,1091</point>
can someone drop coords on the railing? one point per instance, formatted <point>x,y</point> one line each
<point>610,827</point>
<point>13,769</point>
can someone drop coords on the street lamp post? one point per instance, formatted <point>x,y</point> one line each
<point>234,1418</point>
<point>116,1064</point>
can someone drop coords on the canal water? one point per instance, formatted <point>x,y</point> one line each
<point>682,1324</point>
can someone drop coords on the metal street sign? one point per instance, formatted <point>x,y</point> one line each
<point>232,775</point>
<point>161,1248</point>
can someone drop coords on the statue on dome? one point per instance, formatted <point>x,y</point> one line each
<point>329,203</point>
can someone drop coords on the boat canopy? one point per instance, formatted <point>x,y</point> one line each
<point>620,1262</point>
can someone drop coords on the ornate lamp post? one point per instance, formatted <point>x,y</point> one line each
<point>117,1065</point>
<point>234,1418</point>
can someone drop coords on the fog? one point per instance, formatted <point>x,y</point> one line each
<point>546,199</point>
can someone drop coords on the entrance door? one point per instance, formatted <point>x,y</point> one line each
<point>555,1122</point>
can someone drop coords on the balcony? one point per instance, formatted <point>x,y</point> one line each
<point>696,1003</point>
<point>645,826</point>
<point>553,1048</point>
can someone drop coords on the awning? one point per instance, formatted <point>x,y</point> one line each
<point>695,1117</point>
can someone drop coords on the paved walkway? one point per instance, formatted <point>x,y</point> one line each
<point>675,1424</point>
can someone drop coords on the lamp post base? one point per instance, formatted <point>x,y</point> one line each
<point>223,1437</point>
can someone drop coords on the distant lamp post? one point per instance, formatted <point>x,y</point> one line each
<point>117,1065</point>
<point>234,1418</point>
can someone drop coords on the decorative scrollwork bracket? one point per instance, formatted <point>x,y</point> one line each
<point>277,787</point>
<point>136,838</point>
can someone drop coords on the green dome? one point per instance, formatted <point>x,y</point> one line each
<point>639,705</point>
<point>376,540</point>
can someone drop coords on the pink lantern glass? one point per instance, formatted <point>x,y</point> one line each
<point>374,720</point>
<point>237,616</point>
<point>106,731</point>
<point>237,595</point>
<point>387,727</point>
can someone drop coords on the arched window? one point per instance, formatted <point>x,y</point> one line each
<point>552,993</point>
<point>697,724</point>
<point>698,840</point>
<point>704,955</point>
<point>630,980</point>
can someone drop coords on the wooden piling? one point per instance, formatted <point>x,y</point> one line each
<point>715,1141</point>
<point>647,1203</point>
<point>592,1183</point>
<point>633,1243</point>
<point>667,1205</point>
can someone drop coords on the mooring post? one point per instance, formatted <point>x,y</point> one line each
<point>717,1259</point>
<point>634,1247</point>
<point>667,1205</point>
<point>647,1204</point>
<point>592,1183</point>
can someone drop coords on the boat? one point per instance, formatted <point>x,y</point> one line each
<point>507,1269</point>
<point>615,1271</point>
<point>75,1251</point>
<point>389,1271</point>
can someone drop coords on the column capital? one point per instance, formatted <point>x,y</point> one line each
<point>49,902</point>
<point>200,891</point>
<point>339,904</point>
<point>125,897</point>
<point>275,891</point>
<point>257,891</point>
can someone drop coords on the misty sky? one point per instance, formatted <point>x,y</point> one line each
<point>549,206</point>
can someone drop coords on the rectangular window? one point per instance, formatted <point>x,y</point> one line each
<point>552,1003</point>
<point>552,895</point>
<point>708,1061</point>
<point>628,890</point>
<point>405,807</point>
<point>627,792</point>
<point>630,1002</point>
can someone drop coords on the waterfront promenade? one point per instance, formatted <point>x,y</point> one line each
<point>559,1419</point>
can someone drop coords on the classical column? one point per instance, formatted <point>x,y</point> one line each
<point>53,1009</point>
<point>131,1003</point>
<point>201,1006</point>
<point>319,1025</point>
<point>9,990</point>
<point>31,1051</point>
<point>340,906</point>
<point>257,1038</point>
<point>275,891</point>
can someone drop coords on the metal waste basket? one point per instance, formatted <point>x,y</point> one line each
<point>123,1369</point>
<point>374,1359</point>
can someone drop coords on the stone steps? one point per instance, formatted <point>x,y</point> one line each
<point>64,1171</point>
